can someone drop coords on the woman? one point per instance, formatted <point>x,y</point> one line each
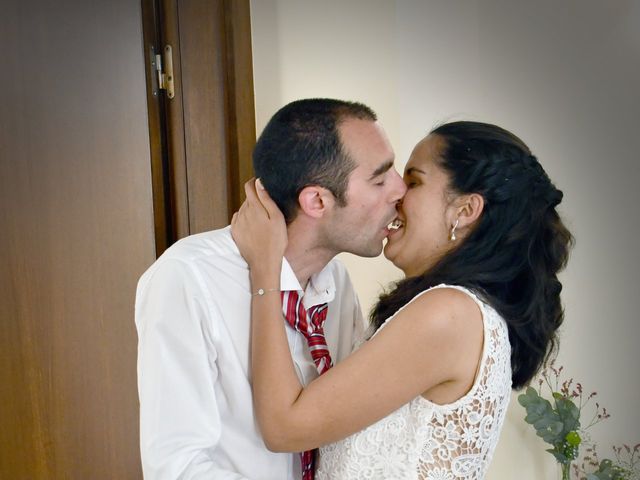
<point>480,243</point>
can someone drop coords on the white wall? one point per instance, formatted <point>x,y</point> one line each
<point>565,76</point>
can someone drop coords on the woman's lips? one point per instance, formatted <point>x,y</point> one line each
<point>395,225</point>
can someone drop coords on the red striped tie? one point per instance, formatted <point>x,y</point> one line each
<point>297,316</point>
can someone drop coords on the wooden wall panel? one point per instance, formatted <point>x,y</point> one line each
<point>77,231</point>
<point>77,210</point>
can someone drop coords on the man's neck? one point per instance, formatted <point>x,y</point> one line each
<point>304,254</point>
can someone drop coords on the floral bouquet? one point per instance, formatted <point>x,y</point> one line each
<point>558,422</point>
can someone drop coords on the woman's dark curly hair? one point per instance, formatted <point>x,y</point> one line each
<point>515,251</point>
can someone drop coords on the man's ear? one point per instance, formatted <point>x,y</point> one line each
<point>469,209</point>
<point>314,201</point>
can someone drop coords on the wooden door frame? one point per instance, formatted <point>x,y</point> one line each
<point>201,139</point>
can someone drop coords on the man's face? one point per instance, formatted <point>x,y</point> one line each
<point>374,189</point>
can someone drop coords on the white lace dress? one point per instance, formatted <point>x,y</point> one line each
<point>425,441</point>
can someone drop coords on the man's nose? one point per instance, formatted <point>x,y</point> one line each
<point>399,188</point>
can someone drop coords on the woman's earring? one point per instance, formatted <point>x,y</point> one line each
<point>453,230</point>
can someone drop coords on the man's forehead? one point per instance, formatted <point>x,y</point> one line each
<point>352,128</point>
<point>366,143</point>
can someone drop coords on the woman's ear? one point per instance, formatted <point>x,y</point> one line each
<point>469,209</point>
<point>314,201</point>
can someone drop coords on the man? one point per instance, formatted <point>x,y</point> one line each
<point>329,167</point>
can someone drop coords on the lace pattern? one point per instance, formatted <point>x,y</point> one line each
<point>425,441</point>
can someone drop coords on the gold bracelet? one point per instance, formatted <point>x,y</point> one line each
<point>262,291</point>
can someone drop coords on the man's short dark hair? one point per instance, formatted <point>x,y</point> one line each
<point>300,147</point>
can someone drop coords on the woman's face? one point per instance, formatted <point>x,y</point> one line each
<point>426,212</point>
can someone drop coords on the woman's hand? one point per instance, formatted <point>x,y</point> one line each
<point>259,229</point>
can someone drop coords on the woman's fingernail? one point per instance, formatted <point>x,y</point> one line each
<point>259,184</point>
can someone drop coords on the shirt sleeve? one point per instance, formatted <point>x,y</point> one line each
<point>180,422</point>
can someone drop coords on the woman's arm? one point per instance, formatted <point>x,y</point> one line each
<point>435,340</point>
<point>431,342</point>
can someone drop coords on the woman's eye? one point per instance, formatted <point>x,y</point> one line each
<point>380,183</point>
<point>411,184</point>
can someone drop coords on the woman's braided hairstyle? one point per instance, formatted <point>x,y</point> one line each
<point>518,246</point>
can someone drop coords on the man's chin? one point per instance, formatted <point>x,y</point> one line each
<point>374,252</point>
<point>368,252</point>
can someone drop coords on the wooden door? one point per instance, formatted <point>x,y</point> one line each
<point>85,206</point>
<point>77,230</point>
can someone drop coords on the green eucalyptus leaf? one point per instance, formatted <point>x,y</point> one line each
<point>540,413</point>
<point>543,423</point>
<point>569,414</point>
<point>593,476</point>
<point>550,429</point>
<point>605,463</point>
<point>535,411</point>
<point>529,396</point>
<point>608,471</point>
<point>560,458</point>
<point>531,419</point>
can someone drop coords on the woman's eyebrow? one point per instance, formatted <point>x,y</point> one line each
<point>413,170</point>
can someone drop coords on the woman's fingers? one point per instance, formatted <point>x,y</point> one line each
<point>250,191</point>
<point>258,202</point>
<point>258,227</point>
<point>252,197</point>
<point>267,202</point>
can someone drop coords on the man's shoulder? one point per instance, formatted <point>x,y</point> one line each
<point>207,250</point>
<point>202,245</point>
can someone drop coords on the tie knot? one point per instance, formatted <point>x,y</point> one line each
<point>311,324</point>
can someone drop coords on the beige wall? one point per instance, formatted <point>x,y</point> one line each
<point>562,75</point>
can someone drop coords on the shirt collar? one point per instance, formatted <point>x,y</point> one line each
<point>320,289</point>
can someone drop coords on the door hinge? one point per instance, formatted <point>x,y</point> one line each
<point>165,76</point>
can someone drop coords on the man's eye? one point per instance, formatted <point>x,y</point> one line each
<point>380,183</point>
<point>411,184</point>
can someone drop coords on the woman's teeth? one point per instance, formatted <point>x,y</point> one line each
<point>395,225</point>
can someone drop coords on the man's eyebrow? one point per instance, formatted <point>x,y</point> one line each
<point>381,169</point>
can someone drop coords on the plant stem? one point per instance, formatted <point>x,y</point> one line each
<point>566,471</point>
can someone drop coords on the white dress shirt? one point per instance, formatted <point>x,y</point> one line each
<point>194,379</point>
